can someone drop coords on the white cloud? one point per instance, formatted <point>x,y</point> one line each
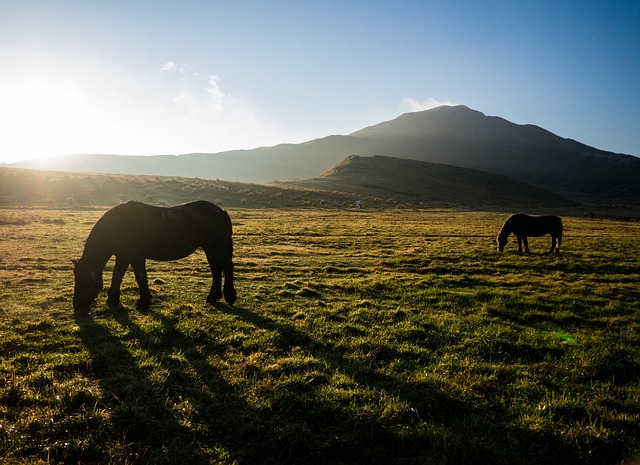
<point>173,67</point>
<point>215,93</point>
<point>168,66</point>
<point>416,105</point>
<point>182,96</point>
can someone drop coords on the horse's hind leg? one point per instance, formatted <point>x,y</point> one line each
<point>215,293</point>
<point>553,244</point>
<point>119,269</point>
<point>525,240</point>
<point>227,267</point>
<point>222,264</point>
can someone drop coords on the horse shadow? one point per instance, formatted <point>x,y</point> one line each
<point>144,411</point>
<point>298,425</point>
<point>371,441</point>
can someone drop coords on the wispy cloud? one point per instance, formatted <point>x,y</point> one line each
<point>200,110</point>
<point>215,93</point>
<point>173,67</point>
<point>189,86</point>
<point>416,105</point>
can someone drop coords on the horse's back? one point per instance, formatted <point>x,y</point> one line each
<point>552,222</point>
<point>199,208</point>
<point>528,225</point>
<point>162,233</point>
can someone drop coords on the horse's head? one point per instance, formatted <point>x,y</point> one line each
<point>501,241</point>
<point>87,285</point>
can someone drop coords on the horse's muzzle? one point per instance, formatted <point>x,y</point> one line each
<point>82,303</point>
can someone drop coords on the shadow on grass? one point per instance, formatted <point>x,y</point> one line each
<point>437,428</point>
<point>171,404</point>
<point>142,418</point>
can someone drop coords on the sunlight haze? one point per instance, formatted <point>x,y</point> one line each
<point>152,78</point>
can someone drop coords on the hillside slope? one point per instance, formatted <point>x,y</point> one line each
<point>428,184</point>
<point>381,182</point>
<point>455,135</point>
<point>21,188</point>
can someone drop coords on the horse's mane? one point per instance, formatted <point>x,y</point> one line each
<point>504,231</point>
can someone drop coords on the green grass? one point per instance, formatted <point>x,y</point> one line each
<point>359,337</point>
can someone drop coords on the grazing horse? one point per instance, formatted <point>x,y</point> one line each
<point>135,231</point>
<point>524,226</point>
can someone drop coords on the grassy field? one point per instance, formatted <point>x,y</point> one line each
<point>359,337</point>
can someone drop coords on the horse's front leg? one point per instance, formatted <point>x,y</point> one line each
<point>525,240</point>
<point>140,270</point>
<point>215,293</point>
<point>519,243</point>
<point>119,269</point>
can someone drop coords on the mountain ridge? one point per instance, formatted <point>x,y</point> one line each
<point>454,135</point>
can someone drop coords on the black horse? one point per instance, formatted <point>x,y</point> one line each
<point>524,226</point>
<point>134,232</point>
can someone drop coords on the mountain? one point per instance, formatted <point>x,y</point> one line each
<point>463,137</point>
<point>413,182</point>
<point>454,135</point>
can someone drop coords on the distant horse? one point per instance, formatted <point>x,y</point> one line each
<point>135,231</point>
<point>524,226</point>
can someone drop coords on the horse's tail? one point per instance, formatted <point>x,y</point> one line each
<point>227,222</point>
<point>227,263</point>
<point>223,231</point>
<point>229,250</point>
<point>559,232</point>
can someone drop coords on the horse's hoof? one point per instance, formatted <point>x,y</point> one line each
<point>143,306</point>
<point>230,296</point>
<point>214,296</point>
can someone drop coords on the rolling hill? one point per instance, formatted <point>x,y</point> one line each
<point>426,184</point>
<point>20,188</point>
<point>379,182</point>
<point>455,135</point>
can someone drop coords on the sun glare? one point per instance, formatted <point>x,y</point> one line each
<point>78,110</point>
<point>40,117</point>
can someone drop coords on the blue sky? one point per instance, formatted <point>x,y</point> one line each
<point>158,77</point>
